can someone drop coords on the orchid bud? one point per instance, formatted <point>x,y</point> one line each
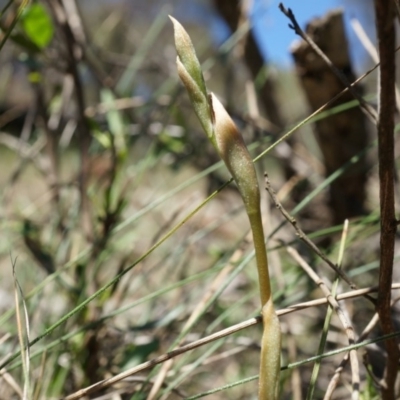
<point>216,122</point>
<point>234,153</point>
<point>191,75</point>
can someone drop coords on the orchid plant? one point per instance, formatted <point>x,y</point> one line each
<point>227,140</point>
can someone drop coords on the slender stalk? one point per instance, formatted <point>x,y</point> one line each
<point>229,143</point>
<point>261,256</point>
<point>385,28</point>
<point>270,356</point>
<point>271,338</point>
<point>234,153</point>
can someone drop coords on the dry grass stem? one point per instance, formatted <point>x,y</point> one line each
<point>364,334</point>
<point>198,310</point>
<point>23,334</point>
<point>215,336</point>
<point>348,328</point>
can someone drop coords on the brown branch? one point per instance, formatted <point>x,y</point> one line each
<point>384,10</point>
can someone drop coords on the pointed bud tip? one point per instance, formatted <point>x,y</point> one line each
<point>224,128</point>
<point>176,23</point>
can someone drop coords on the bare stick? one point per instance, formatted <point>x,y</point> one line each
<point>303,236</point>
<point>386,45</point>
<point>368,110</point>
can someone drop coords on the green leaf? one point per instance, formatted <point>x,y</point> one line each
<point>37,25</point>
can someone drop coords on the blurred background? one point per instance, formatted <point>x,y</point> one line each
<point>115,211</point>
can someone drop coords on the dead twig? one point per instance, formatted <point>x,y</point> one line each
<point>367,108</point>
<point>384,11</point>
<point>348,328</point>
<point>302,236</point>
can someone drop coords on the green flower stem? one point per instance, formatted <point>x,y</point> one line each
<point>270,356</point>
<point>234,153</point>
<point>261,256</point>
<point>271,337</point>
<point>229,143</point>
